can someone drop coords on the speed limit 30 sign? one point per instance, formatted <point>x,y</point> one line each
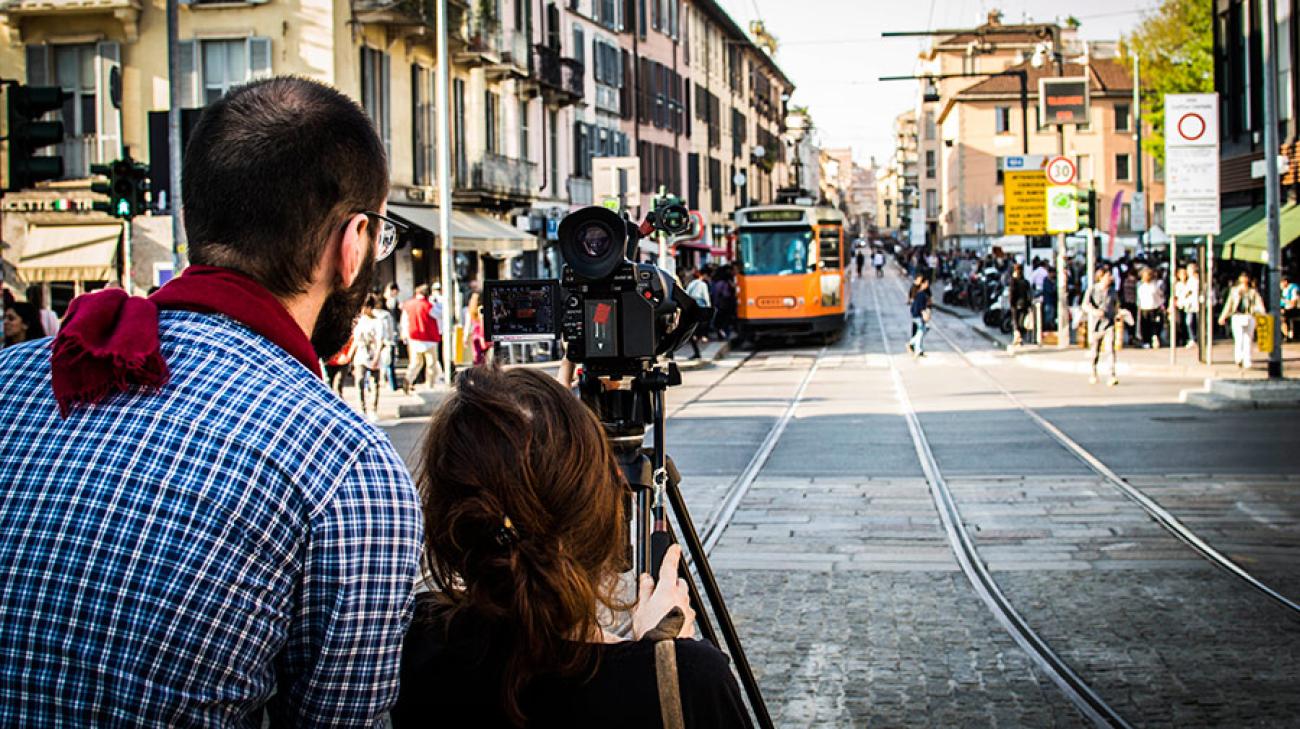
<point>1060,171</point>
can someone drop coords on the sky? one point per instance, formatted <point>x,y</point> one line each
<point>833,52</point>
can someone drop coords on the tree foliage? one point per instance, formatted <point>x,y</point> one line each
<point>1174,46</point>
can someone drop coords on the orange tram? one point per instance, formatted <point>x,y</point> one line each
<point>790,265</point>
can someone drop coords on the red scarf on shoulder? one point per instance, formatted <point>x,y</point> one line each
<point>109,340</point>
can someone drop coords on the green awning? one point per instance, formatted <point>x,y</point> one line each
<point>1243,232</point>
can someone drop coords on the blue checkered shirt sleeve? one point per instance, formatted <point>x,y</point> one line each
<point>340,664</point>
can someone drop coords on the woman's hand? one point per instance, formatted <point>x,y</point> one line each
<point>654,601</point>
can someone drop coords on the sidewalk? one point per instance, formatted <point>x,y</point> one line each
<point>1132,361</point>
<point>394,406</point>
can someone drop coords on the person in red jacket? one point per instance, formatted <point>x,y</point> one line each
<point>421,332</point>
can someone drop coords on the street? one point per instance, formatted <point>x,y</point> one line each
<point>846,588</point>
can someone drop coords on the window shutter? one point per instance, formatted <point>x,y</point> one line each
<point>384,95</point>
<point>189,63</point>
<point>259,57</point>
<point>108,56</point>
<point>38,65</point>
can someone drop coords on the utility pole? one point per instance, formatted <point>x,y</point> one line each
<point>174,134</point>
<point>443,135</point>
<point>1272,191</point>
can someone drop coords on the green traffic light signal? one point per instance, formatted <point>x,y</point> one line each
<point>24,134</point>
<point>127,188</point>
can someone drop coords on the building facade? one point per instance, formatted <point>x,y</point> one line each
<point>537,92</point>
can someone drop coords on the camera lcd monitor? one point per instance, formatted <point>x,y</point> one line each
<point>521,310</point>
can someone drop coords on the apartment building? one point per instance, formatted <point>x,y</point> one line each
<point>1238,78</point>
<point>983,122</point>
<point>537,91</point>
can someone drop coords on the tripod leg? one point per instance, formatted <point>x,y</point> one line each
<point>701,615</point>
<point>701,561</point>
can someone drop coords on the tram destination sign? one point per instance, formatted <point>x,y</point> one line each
<point>1063,100</point>
<point>775,216</point>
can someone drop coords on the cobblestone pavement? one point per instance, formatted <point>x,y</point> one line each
<point>845,590</point>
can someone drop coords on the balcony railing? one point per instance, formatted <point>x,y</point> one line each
<point>580,192</point>
<point>561,76</point>
<point>496,174</point>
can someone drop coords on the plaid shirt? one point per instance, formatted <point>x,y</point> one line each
<point>240,539</point>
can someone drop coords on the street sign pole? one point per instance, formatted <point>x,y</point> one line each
<point>1171,327</point>
<point>1272,189</point>
<point>1062,289</point>
<point>1207,296</point>
<point>174,135</point>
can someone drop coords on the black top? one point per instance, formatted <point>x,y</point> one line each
<point>1021,298</point>
<point>451,679</point>
<point>920,302</point>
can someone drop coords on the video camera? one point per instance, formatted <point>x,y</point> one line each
<point>616,316</point>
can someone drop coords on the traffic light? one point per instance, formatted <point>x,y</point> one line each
<point>127,188</point>
<point>24,134</point>
<point>1087,208</point>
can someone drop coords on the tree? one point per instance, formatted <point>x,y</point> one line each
<point>1174,46</point>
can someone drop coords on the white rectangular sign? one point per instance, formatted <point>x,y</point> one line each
<point>1192,164</point>
<point>1138,214</point>
<point>1192,216</point>
<point>608,174</point>
<point>1062,209</point>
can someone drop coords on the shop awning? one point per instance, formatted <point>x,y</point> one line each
<point>471,231</point>
<point>1243,232</point>
<point>70,253</point>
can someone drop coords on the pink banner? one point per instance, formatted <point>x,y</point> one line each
<point>1114,223</point>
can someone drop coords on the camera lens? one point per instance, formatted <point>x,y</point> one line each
<point>593,242</point>
<point>594,239</point>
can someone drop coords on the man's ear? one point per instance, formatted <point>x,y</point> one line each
<point>353,248</point>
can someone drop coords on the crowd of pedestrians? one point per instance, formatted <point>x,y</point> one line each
<point>199,533</point>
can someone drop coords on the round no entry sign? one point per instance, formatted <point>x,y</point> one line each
<point>1060,171</point>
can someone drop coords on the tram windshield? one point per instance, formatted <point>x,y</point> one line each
<point>775,251</point>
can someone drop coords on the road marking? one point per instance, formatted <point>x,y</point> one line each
<point>1071,684</point>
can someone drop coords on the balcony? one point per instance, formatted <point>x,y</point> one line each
<point>403,18</point>
<point>494,177</point>
<point>125,11</point>
<point>561,78</point>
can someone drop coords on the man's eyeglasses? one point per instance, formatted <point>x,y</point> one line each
<point>386,232</point>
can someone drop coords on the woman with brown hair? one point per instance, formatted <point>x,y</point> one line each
<point>525,537</point>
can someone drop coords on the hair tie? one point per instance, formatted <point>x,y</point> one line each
<point>506,535</point>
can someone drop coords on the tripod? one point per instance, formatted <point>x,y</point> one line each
<point>652,478</point>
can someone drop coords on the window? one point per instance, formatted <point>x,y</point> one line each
<point>1125,216</point>
<point>1122,171</point>
<point>1002,219</point>
<point>930,129</point>
<point>1002,119</point>
<point>492,121</point>
<point>1122,121</point>
<point>524,151</point>
<point>553,129</point>
<point>931,203</point>
<point>458,111</point>
<point>1083,165</point>
<point>89,120</point>
<point>579,49</point>
<point>374,91</point>
<point>930,170</point>
<point>422,135</point>
<point>581,151</point>
<point>775,251</point>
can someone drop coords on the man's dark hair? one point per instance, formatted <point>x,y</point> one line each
<point>272,169</point>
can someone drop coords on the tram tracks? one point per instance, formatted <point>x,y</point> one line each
<point>1162,516</point>
<point>1083,696</point>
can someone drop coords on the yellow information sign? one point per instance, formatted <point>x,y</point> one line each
<point>1026,202</point>
<point>1264,332</point>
